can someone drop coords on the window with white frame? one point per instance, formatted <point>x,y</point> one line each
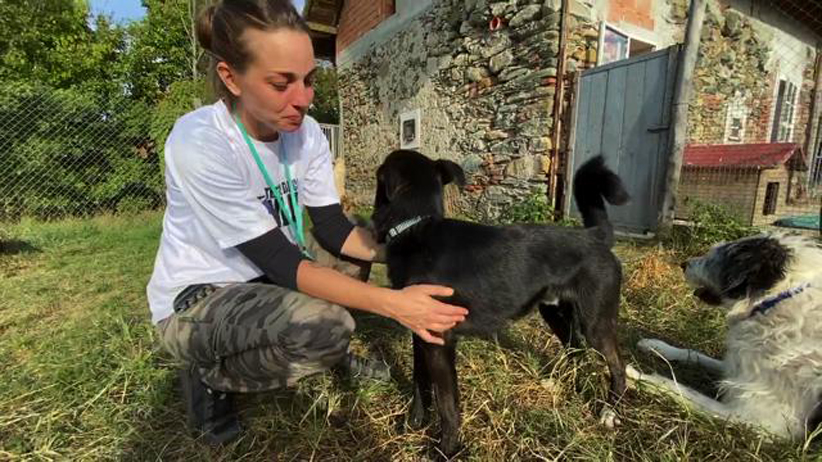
<point>816,148</point>
<point>736,118</point>
<point>736,127</point>
<point>783,117</point>
<point>616,46</point>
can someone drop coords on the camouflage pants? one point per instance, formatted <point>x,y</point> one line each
<point>248,337</point>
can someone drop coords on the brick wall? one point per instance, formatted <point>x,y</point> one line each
<point>360,16</point>
<point>734,189</point>
<point>743,192</point>
<point>636,12</point>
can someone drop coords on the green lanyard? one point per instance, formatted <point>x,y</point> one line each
<point>296,216</point>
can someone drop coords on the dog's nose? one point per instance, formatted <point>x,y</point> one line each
<point>684,265</point>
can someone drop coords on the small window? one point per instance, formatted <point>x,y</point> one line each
<point>771,195</point>
<point>614,46</point>
<point>737,114</point>
<point>735,131</point>
<point>617,46</point>
<point>638,47</point>
<point>784,112</point>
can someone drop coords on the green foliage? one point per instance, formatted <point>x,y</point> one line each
<point>70,152</point>
<point>163,48</point>
<point>50,42</point>
<point>710,224</point>
<point>182,97</point>
<point>86,105</point>
<point>533,209</point>
<point>326,107</point>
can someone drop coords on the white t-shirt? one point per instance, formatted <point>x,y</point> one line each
<point>218,198</point>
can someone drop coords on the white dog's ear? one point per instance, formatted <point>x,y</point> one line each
<point>755,266</point>
<point>451,172</point>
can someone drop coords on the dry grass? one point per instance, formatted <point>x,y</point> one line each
<point>84,380</point>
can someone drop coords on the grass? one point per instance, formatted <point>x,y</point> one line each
<point>83,378</point>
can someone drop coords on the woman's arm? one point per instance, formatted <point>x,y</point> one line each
<point>339,236</point>
<point>362,245</point>
<point>414,306</point>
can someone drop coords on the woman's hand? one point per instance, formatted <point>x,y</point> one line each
<point>414,308</point>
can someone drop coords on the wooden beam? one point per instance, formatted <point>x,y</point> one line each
<point>317,27</point>
<point>682,100</point>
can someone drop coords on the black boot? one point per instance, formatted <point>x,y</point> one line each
<point>211,413</point>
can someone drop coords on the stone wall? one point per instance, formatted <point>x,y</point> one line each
<point>486,97</point>
<point>731,74</point>
<point>741,60</point>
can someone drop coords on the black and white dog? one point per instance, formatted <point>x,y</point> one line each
<point>771,285</point>
<point>498,273</point>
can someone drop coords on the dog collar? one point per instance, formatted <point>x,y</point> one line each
<point>765,305</point>
<point>402,227</point>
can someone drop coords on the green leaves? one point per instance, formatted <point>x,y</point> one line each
<point>326,107</point>
<point>69,152</point>
<point>86,104</point>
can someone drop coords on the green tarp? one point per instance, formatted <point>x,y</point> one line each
<point>802,221</point>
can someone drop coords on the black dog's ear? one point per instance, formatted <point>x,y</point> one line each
<point>450,172</point>
<point>756,266</point>
<point>381,198</point>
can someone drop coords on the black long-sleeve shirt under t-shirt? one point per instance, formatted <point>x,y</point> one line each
<point>278,258</point>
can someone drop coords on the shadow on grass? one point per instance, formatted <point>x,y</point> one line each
<point>699,379</point>
<point>15,246</point>
<point>287,424</point>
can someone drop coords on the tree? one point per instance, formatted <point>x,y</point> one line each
<point>51,42</point>
<point>326,107</point>
<point>164,48</point>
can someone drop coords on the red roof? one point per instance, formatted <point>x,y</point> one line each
<point>759,156</point>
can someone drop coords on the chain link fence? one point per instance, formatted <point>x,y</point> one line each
<point>754,138</point>
<point>70,153</point>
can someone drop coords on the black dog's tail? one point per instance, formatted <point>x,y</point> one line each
<point>593,182</point>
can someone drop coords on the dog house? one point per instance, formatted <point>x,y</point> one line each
<point>757,182</point>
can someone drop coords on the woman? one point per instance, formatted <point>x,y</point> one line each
<point>240,292</point>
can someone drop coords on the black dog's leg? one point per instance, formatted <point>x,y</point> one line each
<point>601,335</point>
<point>422,387</point>
<point>441,361</point>
<point>815,418</point>
<point>562,319</point>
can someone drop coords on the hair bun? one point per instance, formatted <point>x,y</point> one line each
<point>204,26</point>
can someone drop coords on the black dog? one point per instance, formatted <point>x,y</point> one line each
<point>498,273</point>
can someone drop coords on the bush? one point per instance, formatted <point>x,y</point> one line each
<point>182,97</point>
<point>710,224</point>
<point>72,152</point>
<point>533,209</point>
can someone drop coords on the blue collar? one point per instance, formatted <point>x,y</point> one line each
<point>400,228</point>
<point>765,305</point>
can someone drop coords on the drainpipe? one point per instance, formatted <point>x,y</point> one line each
<point>556,136</point>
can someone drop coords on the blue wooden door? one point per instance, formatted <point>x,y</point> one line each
<point>624,112</point>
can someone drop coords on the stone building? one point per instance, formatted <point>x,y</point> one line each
<point>477,81</point>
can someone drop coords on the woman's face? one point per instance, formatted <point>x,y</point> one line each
<point>276,89</point>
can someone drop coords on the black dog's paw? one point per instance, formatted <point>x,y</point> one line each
<point>417,417</point>
<point>449,447</point>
